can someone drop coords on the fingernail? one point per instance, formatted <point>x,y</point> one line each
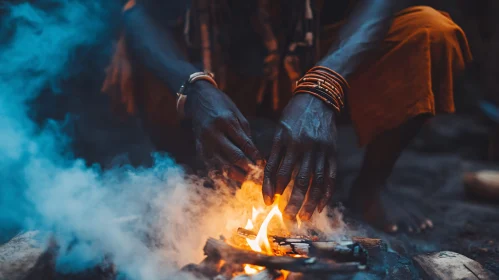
<point>288,217</point>
<point>257,157</point>
<point>429,223</point>
<point>268,199</point>
<point>279,188</point>
<point>305,216</point>
<point>268,193</point>
<point>321,205</point>
<point>394,228</point>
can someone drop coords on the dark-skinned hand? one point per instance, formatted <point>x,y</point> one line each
<point>222,133</point>
<point>305,138</point>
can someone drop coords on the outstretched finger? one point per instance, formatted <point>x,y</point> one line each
<point>316,189</point>
<point>286,169</point>
<point>244,124</point>
<point>230,171</point>
<point>330,182</point>
<point>300,187</point>
<point>270,171</point>
<point>243,141</point>
<point>234,155</point>
<point>202,153</point>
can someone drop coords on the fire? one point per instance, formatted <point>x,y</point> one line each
<point>254,214</point>
<point>249,225</point>
<point>264,221</point>
<point>261,243</point>
<point>262,239</point>
<point>252,269</point>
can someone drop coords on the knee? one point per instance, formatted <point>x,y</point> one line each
<point>440,27</point>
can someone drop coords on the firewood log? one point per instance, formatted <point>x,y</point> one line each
<point>375,249</point>
<point>242,277</point>
<point>356,250</point>
<point>209,267</point>
<point>295,276</point>
<point>219,249</point>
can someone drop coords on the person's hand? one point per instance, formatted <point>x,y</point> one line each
<point>222,133</point>
<point>305,137</point>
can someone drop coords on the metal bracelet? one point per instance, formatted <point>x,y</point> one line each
<point>182,98</point>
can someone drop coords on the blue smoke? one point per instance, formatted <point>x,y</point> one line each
<point>39,41</point>
<point>44,188</point>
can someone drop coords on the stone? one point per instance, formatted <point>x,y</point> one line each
<point>19,255</point>
<point>447,265</point>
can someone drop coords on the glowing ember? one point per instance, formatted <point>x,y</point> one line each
<point>252,269</point>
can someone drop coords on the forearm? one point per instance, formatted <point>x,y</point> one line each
<point>363,32</point>
<point>155,47</point>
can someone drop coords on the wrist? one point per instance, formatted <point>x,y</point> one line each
<point>325,84</point>
<point>195,90</point>
<point>196,83</point>
<point>305,101</point>
<point>315,101</point>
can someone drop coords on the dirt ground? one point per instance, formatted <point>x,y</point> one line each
<point>462,224</point>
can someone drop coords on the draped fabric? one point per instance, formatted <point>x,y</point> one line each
<point>412,73</point>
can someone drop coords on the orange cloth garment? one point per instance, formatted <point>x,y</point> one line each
<point>131,87</point>
<point>119,84</point>
<point>411,74</point>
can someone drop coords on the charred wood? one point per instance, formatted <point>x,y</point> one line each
<point>356,250</point>
<point>220,250</point>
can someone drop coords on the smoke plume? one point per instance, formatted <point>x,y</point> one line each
<point>149,221</point>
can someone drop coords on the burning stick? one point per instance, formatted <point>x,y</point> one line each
<point>209,267</point>
<point>220,250</point>
<point>345,251</point>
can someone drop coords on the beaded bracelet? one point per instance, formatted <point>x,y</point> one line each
<point>325,84</point>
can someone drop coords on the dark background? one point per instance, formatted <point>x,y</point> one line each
<point>99,135</point>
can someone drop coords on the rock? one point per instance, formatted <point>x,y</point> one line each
<point>27,256</point>
<point>19,255</point>
<point>446,265</point>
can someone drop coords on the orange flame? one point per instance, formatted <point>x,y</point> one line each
<point>252,269</point>
<point>261,243</point>
<point>262,239</point>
